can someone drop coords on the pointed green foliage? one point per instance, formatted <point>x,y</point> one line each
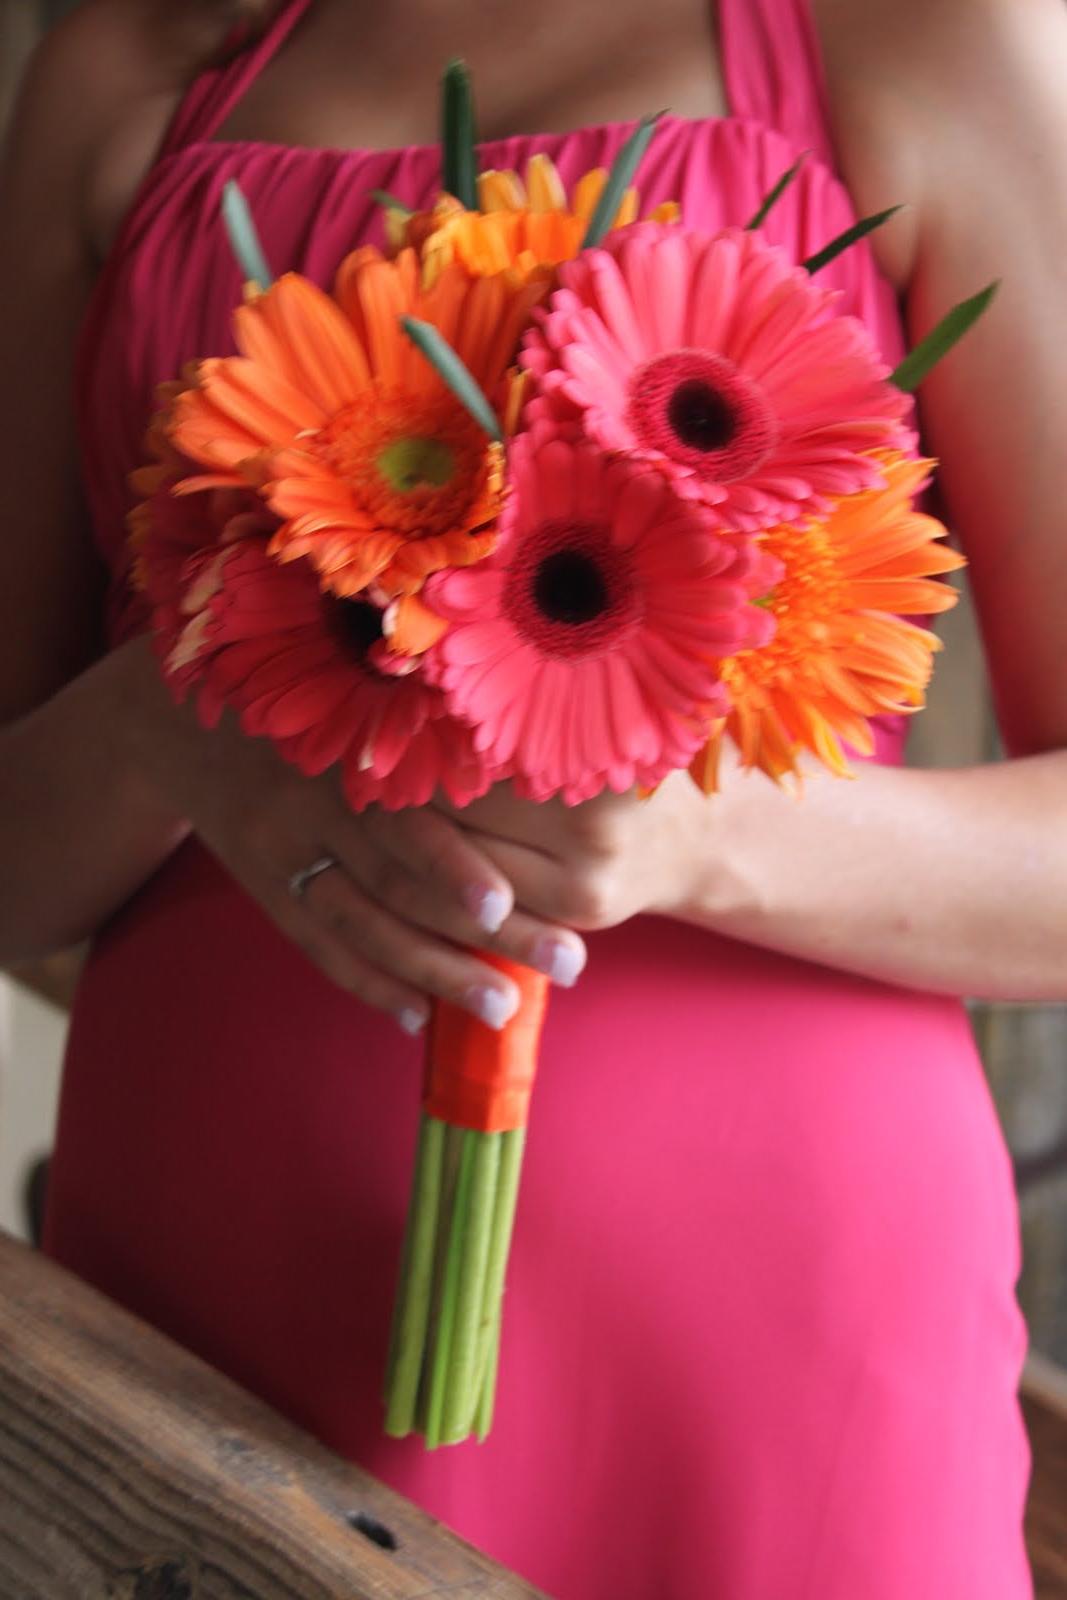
<point>441,356</point>
<point>458,136</point>
<point>777,192</point>
<point>389,201</point>
<point>244,240</point>
<point>949,331</point>
<point>851,236</point>
<point>619,180</point>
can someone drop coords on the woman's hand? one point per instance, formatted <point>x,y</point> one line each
<point>408,888</point>
<point>595,865</point>
<point>100,784</point>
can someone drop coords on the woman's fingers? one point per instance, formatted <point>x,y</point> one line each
<point>436,853</point>
<point>406,955</point>
<point>503,814</point>
<point>545,888</point>
<point>352,972</point>
<point>400,919</point>
<point>427,871</point>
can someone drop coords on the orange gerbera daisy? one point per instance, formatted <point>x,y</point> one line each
<point>377,472</point>
<point>842,651</point>
<point>524,229</point>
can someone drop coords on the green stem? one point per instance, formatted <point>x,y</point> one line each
<point>487,1395</point>
<point>623,170</point>
<point>851,236</point>
<point>453,1146</point>
<point>772,199</point>
<point>461,1395</point>
<point>442,1352</point>
<point>459,157</point>
<point>411,1317</point>
<point>244,240</point>
<point>512,1147</point>
<point>422,1198</point>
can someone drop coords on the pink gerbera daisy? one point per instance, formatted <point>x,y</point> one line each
<point>584,650</point>
<point>309,671</point>
<point>722,362</point>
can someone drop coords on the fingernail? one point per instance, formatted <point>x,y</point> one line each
<point>494,1007</point>
<point>563,963</point>
<point>489,906</point>
<point>411,1020</point>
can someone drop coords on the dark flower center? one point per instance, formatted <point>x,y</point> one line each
<point>359,624</point>
<point>571,591</point>
<point>701,410</point>
<point>569,587</point>
<point>701,416</point>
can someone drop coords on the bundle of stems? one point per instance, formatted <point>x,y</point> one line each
<point>441,1379</point>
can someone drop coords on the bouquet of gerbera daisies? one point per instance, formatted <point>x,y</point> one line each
<point>549,496</point>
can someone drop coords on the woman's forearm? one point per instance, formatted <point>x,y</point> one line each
<point>948,881</point>
<point>81,827</point>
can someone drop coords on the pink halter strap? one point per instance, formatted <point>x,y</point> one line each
<point>213,95</point>
<point>772,67</point>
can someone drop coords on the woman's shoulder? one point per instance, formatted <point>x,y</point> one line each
<point>102,87</point>
<point>906,77</point>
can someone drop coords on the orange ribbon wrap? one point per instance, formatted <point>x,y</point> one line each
<point>477,1077</point>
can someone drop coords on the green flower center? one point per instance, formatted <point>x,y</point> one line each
<point>415,463</point>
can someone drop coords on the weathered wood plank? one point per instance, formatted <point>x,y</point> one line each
<point>1046,1512</point>
<point>131,1470</point>
<point>1044,1402</point>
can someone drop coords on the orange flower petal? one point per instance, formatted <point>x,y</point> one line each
<point>704,768</point>
<point>842,652</point>
<point>500,191</point>
<point>919,596</point>
<point>411,627</point>
<point>346,563</point>
<point>415,560</point>
<point>544,186</point>
<point>300,335</point>
<point>237,410</point>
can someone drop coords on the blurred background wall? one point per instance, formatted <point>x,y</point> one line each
<point>32,1027</point>
<point>1024,1047</point>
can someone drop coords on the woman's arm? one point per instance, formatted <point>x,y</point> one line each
<point>77,831</point>
<point>959,107</point>
<point>947,881</point>
<point>81,827</point>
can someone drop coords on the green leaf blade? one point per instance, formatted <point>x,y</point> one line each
<point>382,197</point>
<point>620,178</point>
<point>244,240</point>
<point>917,365</point>
<point>459,136</point>
<point>441,356</point>
<point>772,199</point>
<point>851,236</point>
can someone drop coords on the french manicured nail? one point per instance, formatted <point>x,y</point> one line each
<point>494,1007</point>
<point>411,1020</point>
<point>490,907</point>
<point>563,963</point>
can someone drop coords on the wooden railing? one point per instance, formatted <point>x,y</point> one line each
<point>1044,1400</point>
<point>131,1470</point>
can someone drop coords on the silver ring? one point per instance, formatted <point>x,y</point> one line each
<point>299,881</point>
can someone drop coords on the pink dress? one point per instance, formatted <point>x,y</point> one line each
<point>761,1338</point>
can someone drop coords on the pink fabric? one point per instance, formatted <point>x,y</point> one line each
<point>761,1337</point>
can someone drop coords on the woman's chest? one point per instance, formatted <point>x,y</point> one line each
<point>363,75</point>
